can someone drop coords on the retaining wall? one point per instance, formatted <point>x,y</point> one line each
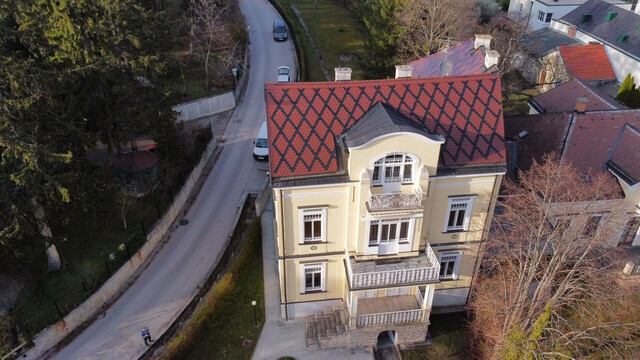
<point>52,335</point>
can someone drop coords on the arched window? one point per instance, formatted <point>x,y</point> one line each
<point>393,168</point>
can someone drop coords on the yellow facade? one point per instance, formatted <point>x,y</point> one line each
<point>353,230</point>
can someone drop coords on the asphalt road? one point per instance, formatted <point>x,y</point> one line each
<point>170,281</point>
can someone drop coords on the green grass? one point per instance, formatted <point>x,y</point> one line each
<point>90,243</point>
<point>218,329</point>
<point>450,339</point>
<point>334,30</point>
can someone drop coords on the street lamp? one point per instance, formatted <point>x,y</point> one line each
<point>255,314</point>
<point>234,71</point>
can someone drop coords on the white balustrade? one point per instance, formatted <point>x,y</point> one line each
<point>395,317</point>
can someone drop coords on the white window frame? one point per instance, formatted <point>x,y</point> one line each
<point>541,16</point>
<point>382,163</point>
<point>448,257</point>
<point>314,268</point>
<point>322,213</point>
<point>468,209</point>
<point>398,222</point>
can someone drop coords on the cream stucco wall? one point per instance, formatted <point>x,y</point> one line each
<point>347,217</point>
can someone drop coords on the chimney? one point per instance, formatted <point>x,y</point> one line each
<point>571,31</point>
<point>343,73</point>
<point>581,104</point>
<point>403,71</point>
<point>491,58</point>
<point>482,40</point>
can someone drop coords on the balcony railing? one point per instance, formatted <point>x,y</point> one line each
<point>369,274</point>
<point>381,202</point>
<point>394,317</point>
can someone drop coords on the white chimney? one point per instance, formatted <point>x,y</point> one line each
<point>482,40</point>
<point>343,73</point>
<point>491,58</point>
<point>403,71</point>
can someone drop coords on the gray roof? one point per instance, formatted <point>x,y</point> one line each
<point>625,22</point>
<point>543,41</point>
<point>379,120</point>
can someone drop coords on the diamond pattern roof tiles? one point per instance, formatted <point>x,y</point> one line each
<point>305,119</point>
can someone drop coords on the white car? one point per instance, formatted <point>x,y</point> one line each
<point>283,74</point>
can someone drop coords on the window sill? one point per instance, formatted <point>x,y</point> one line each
<point>317,242</point>
<point>454,231</point>
<point>447,279</point>
<point>313,292</point>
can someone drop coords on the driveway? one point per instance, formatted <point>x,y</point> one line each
<point>168,283</point>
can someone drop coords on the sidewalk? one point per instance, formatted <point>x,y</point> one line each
<point>280,337</point>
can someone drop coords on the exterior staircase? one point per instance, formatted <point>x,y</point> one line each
<point>327,329</point>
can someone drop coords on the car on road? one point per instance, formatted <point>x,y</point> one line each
<point>261,145</point>
<point>283,74</point>
<point>280,32</point>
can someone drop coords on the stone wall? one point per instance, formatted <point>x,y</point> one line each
<point>367,337</point>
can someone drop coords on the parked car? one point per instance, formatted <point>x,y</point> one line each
<point>283,74</point>
<point>261,145</point>
<point>280,32</point>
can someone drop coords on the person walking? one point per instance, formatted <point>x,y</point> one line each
<point>146,336</point>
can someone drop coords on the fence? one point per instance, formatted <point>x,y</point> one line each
<point>204,107</point>
<point>81,313</point>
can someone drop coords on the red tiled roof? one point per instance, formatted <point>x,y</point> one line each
<point>625,156</point>
<point>589,62</point>
<point>304,119</point>
<point>593,136</point>
<point>465,59</point>
<point>564,97</point>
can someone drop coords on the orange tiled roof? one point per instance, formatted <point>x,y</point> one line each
<point>305,119</point>
<point>589,62</point>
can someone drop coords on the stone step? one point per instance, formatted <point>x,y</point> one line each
<point>322,328</point>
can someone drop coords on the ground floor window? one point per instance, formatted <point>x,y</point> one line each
<point>314,277</point>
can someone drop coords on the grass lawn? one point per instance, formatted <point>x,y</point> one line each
<point>219,328</point>
<point>450,339</point>
<point>92,244</point>
<point>335,32</point>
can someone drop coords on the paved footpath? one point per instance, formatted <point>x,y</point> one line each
<point>280,337</point>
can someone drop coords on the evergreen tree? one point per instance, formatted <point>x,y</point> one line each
<point>627,90</point>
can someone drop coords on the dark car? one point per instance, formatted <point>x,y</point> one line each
<point>280,32</point>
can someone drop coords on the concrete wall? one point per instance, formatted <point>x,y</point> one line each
<point>204,107</point>
<point>50,336</point>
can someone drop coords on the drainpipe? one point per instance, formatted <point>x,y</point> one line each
<point>528,17</point>
<point>284,259</point>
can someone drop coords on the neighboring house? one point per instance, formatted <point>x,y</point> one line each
<point>617,29</point>
<point>538,14</point>
<point>594,142</point>
<point>565,97</point>
<point>549,67</point>
<point>473,56</point>
<point>383,192</point>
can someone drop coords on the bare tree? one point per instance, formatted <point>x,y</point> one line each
<point>208,30</point>
<point>548,261</point>
<point>124,202</point>
<point>432,25</point>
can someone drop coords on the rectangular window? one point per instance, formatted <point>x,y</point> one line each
<point>548,18</point>
<point>387,231</point>
<point>313,225</point>
<point>630,231</point>
<point>449,265</point>
<point>591,226</point>
<point>314,277</point>
<point>541,16</point>
<point>458,214</point>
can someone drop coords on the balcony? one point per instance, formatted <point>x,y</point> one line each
<point>391,310</point>
<point>395,201</point>
<point>384,273</point>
